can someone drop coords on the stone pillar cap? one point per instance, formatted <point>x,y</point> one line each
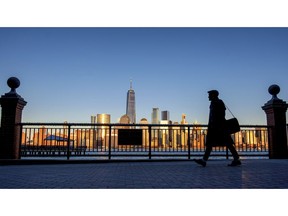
<point>275,101</point>
<point>274,90</point>
<point>13,83</point>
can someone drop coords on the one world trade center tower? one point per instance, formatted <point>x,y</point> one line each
<point>130,107</point>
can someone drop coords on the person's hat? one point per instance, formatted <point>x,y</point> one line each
<point>213,92</point>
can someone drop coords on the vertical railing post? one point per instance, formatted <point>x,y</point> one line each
<point>150,137</point>
<point>269,134</point>
<point>20,140</point>
<point>189,150</point>
<point>227,153</point>
<point>68,142</point>
<point>109,153</point>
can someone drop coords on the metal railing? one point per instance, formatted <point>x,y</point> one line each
<point>107,141</point>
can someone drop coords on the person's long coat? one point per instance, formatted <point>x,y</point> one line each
<point>217,134</point>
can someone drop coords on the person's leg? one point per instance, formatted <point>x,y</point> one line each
<point>205,156</point>
<point>233,152</point>
<point>236,161</point>
<point>207,153</point>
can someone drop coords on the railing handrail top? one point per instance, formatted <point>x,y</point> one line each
<point>128,125</point>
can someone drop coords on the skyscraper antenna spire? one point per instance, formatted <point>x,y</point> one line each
<point>130,84</point>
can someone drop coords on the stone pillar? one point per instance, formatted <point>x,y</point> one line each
<point>275,110</point>
<point>12,106</point>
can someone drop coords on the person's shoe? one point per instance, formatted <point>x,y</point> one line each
<point>200,161</point>
<point>235,163</point>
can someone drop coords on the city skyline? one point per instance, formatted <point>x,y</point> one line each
<point>69,74</point>
<point>131,113</point>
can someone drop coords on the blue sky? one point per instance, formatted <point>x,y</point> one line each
<point>69,74</point>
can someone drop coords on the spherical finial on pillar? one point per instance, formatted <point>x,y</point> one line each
<point>274,90</point>
<point>13,83</point>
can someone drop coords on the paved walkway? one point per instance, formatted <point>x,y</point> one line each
<point>260,174</point>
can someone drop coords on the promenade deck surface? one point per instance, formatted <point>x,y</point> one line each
<point>253,174</point>
<point>105,178</point>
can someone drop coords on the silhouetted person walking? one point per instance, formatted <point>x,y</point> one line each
<point>217,135</point>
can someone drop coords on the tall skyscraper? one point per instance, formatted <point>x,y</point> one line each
<point>165,115</point>
<point>155,116</point>
<point>183,121</point>
<point>130,107</point>
<point>102,131</point>
<point>93,119</point>
<point>103,118</point>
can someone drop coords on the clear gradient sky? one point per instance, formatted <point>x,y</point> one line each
<point>69,74</point>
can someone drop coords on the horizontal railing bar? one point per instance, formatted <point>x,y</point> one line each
<point>129,125</point>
